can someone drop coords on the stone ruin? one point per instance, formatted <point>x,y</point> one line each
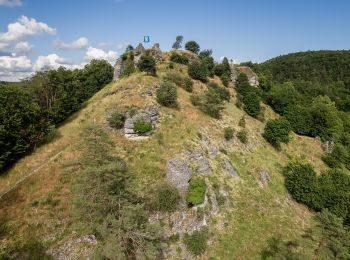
<point>138,52</point>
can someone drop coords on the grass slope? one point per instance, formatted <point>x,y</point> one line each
<point>40,208</point>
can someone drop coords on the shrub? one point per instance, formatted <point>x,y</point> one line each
<point>252,103</point>
<point>241,122</point>
<point>167,198</point>
<point>242,136</point>
<point>196,191</point>
<point>299,118</point>
<point>188,84</point>
<point>228,133</point>
<point>223,93</point>
<point>175,77</point>
<point>300,181</point>
<point>167,94</point>
<point>277,131</point>
<point>179,58</point>
<point>116,119</point>
<point>192,46</point>
<point>129,68</point>
<point>147,64</point>
<point>338,156</point>
<point>197,242</point>
<point>142,127</point>
<point>198,70</point>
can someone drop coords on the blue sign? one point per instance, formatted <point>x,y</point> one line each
<point>145,39</point>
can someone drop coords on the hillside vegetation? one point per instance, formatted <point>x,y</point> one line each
<point>201,180</point>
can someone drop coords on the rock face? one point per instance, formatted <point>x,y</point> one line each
<point>228,168</point>
<point>156,52</point>
<point>179,173</point>
<point>252,77</point>
<point>118,69</point>
<point>202,163</point>
<point>149,115</point>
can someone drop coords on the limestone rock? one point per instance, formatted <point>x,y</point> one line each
<point>149,115</point>
<point>229,169</point>
<point>139,50</point>
<point>202,163</point>
<point>264,178</point>
<point>179,173</point>
<point>118,69</point>
<point>156,52</point>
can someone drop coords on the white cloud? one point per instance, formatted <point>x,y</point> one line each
<point>24,27</point>
<point>22,48</point>
<point>15,64</point>
<point>53,61</point>
<point>80,43</point>
<point>14,68</point>
<point>11,3</point>
<point>4,46</point>
<point>95,53</point>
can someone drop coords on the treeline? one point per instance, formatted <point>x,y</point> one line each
<point>31,109</point>
<point>311,90</point>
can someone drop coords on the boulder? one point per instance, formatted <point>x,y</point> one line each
<point>156,52</point>
<point>118,69</point>
<point>179,173</point>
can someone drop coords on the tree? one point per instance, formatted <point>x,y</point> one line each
<point>179,58</point>
<point>198,70</point>
<point>192,46</point>
<point>167,94</point>
<point>277,131</point>
<point>331,237</point>
<point>148,64</point>
<point>281,96</point>
<point>299,117</point>
<point>252,103</point>
<point>178,42</point>
<point>326,122</point>
<point>22,124</point>
<point>129,48</point>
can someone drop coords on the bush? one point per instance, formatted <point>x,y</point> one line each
<point>277,131</point>
<point>147,64</point>
<point>222,92</point>
<point>116,119</point>
<point>242,136</point>
<point>329,191</point>
<point>179,58</point>
<point>197,242</point>
<point>175,77</point>
<point>188,85</point>
<point>196,191</point>
<point>228,133</point>
<point>299,118</point>
<point>129,68</point>
<point>192,46</point>
<point>198,70</point>
<point>142,127</point>
<point>300,181</point>
<point>167,94</point>
<point>209,102</point>
<point>252,103</point>
<point>338,157</point>
<point>167,198</point>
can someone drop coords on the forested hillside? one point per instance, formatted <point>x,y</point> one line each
<point>176,159</point>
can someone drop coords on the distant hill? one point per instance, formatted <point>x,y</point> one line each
<point>319,66</point>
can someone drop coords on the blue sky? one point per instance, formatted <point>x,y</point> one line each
<point>242,30</point>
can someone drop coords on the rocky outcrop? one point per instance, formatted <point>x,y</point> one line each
<point>264,178</point>
<point>228,168</point>
<point>118,69</point>
<point>201,162</point>
<point>149,115</point>
<point>156,52</point>
<point>179,173</point>
<point>252,77</point>
<point>138,52</point>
